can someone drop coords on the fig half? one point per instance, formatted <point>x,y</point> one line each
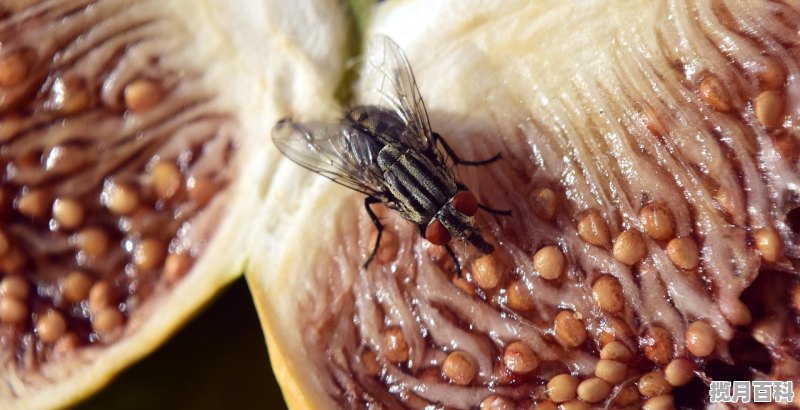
<point>132,144</point>
<point>649,158</point>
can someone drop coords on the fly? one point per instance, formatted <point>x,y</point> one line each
<point>388,152</point>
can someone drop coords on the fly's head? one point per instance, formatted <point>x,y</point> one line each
<point>455,220</point>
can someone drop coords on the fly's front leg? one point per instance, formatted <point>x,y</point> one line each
<point>504,212</point>
<point>449,251</point>
<point>455,260</point>
<point>490,210</point>
<point>458,161</point>
<point>378,225</point>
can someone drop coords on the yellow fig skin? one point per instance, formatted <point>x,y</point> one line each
<point>279,274</point>
<point>295,394</point>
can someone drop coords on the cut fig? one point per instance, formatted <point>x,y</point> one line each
<point>132,148</point>
<point>648,159</point>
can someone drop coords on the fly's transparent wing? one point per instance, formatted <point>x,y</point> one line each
<point>340,153</point>
<point>390,84</point>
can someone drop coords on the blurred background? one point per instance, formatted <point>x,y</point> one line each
<point>218,360</point>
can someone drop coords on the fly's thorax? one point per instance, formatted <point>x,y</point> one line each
<point>419,186</point>
<point>389,155</point>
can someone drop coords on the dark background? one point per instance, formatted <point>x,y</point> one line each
<point>218,361</point>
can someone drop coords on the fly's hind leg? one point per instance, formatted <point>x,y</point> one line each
<point>378,225</point>
<point>449,251</point>
<point>458,161</point>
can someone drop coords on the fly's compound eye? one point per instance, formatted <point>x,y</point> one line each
<point>436,233</point>
<point>465,202</point>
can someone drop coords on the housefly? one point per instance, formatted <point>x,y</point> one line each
<point>387,151</point>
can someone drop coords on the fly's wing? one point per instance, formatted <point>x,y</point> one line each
<point>390,84</point>
<point>340,153</point>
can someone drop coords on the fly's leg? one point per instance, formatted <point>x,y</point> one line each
<point>449,251</point>
<point>455,260</point>
<point>378,225</point>
<point>458,161</point>
<point>490,210</point>
<point>504,212</point>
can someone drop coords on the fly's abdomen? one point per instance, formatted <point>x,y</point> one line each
<point>419,186</point>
